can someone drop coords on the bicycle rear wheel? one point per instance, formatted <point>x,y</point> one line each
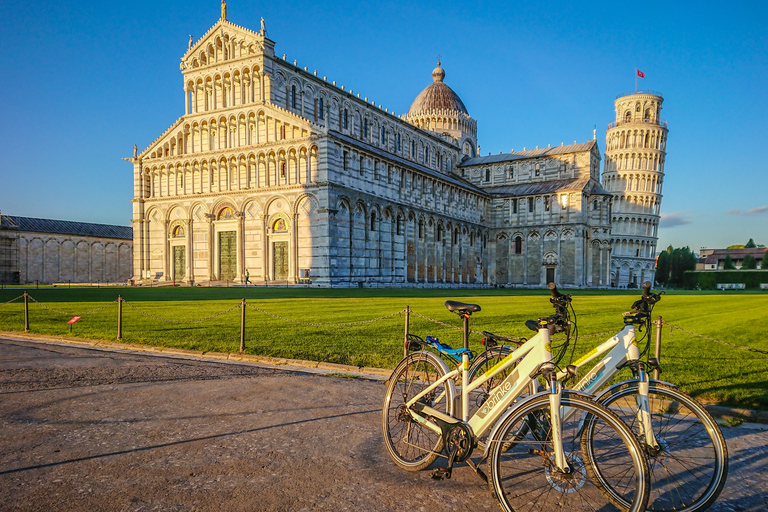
<point>412,445</point>
<point>690,468</point>
<point>525,478</point>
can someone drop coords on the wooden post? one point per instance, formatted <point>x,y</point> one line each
<point>657,347</point>
<point>242,326</point>
<point>26,312</point>
<point>119,317</point>
<point>405,336</point>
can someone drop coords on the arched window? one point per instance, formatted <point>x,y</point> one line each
<point>373,221</point>
<point>637,107</point>
<point>321,109</point>
<point>399,225</point>
<point>282,169</point>
<point>293,96</point>
<point>345,121</point>
<point>627,117</point>
<point>647,116</point>
<point>518,245</point>
<point>365,128</point>
<point>397,142</point>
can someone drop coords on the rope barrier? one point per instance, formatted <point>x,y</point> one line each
<point>182,321</point>
<point>13,300</point>
<point>740,347</point>
<point>68,313</point>
<point>348,324</point>
<point>317,324</point>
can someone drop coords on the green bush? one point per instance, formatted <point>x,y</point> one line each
<point>709,280</point>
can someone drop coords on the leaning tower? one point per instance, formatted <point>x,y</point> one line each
<point>635,147</point>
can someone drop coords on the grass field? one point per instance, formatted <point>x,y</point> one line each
<point>711,371</point>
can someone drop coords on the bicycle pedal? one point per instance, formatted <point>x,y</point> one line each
<point>441,474</point>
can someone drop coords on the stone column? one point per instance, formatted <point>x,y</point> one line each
<point>211,246</point>
<point>265,247</point>
<point>166,250</point>
<point>293,271</point>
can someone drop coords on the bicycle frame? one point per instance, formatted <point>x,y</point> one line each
<point>621,349</point>
<point>531,359</point>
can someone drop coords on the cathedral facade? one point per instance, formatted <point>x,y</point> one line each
<point>278,174</point>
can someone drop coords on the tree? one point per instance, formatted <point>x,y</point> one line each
<point>662,268</point>
<point>728,263</point>
<point>764,261</point>
<point>682,259</point>
<point>748,263</point>
<point>750,245</point>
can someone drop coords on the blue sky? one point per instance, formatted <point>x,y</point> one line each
<point>84,81</point>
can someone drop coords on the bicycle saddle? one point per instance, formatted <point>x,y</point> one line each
<point>460,307</point>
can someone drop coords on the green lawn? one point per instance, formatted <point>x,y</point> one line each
<point>711,371</point>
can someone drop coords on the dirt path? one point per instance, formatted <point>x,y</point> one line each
<point>92,429</point>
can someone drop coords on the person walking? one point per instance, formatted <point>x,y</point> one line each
<point>247,277</point>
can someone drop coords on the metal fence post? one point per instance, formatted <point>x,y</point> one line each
<point>26,312</point>
<point>119,317</point>
<point>405,336</point>
<point>242,326</point>
<point>657,347</point>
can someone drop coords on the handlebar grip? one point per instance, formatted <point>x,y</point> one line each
<point>553,289</point>
<point>646,289</point>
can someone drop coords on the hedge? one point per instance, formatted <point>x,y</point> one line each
<point>709,280</point>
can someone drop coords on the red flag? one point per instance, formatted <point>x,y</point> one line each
<point>640,73</point>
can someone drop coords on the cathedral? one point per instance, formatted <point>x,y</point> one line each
<point>278,175</point>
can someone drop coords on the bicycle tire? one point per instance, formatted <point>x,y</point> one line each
<point>524,478</point>
<point>411,445</point>
<point>689,472</point>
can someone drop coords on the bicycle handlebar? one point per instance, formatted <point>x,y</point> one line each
<point>646,302</point>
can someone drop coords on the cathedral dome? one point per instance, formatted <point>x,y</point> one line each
<point>437,96</point>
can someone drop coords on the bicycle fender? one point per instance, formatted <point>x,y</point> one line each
<point>632,382</point>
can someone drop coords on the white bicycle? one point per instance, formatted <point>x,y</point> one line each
<point>554,450</point>
<point>685,448</point>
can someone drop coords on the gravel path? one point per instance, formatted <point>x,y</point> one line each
<point>103,429</point>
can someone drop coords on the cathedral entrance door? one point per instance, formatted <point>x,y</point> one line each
<point>550,275</point>
<point>280,261</point>
<point>227,255</point>
<point>179,263</point>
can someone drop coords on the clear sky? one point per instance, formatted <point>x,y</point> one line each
<point>84,81</point>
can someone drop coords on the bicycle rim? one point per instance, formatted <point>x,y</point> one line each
<point>689,469</point>
<point>411,445</point>
<point>524,476</point>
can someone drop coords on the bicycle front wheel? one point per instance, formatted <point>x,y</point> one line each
<point>412,445</point>
<point>525,478</point>
<point>689,468</point>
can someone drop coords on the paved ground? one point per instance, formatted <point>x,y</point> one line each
<point>95,429</point>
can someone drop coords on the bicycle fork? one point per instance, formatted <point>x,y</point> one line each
<point>644,410</point>
<point>555,392</point>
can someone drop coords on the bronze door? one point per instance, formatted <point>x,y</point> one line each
<point>179,263</point>
<point>227,255</point>
<point>280,260</point>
